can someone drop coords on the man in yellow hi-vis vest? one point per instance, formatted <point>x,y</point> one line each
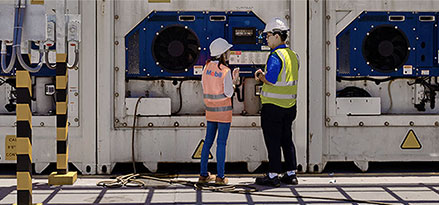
<point>278,99</point>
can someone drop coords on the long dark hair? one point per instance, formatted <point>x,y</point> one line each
<point>221,60</point>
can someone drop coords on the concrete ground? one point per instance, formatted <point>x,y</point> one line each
<point>314,189</point>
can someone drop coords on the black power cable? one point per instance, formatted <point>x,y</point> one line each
<point>181,98</point>
<point>133,132</point>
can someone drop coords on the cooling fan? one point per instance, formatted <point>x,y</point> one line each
<point>385,48</point>
<point>176,48</point>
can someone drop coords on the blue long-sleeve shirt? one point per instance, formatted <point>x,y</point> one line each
<point>274,65</point>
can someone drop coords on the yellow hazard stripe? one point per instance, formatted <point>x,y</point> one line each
<point>23,80</point>
<point>61,133</point>
<point>62,159</point>
<point>61,81</point>
<point>61,108</point>
<point>24,147</point>
<point>24,113</point>
<point>61,57</point>
<point>37,2</point>
<point>24,181</point>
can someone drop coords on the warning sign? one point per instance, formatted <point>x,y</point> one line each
<point>10,147</point>
<point>197,153</point>
<point>411,141</point>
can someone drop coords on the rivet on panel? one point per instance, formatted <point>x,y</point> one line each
<point>176,124</point>
<point>328,17</point>
<point>202,124</point>
<point>328,68</point>
<point>328,94</point>
<point>76,94</point>
<point>328,42</point>
<point>361,124</point>
<point>116,16</point>
<point>116,68</point>
<point>116,43</point>
<point>76,119</point>
<point>412,123</point>
<point>116,94</point>
<point>336,124</point>
<point>253,124</point>
<point>124,124</point>
<point>150,124</point>
<point>116,120</point>
<point>386,124</point>
<point>328,119</point>
<point>42,124</point>
<point>436,123</point>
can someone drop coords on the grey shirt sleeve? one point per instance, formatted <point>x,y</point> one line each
<point>228,84</point>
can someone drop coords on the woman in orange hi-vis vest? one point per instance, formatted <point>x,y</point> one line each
<point>218,89</point>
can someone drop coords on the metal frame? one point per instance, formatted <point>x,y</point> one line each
<point>360,139</point>
<point>114,127</point>
<point>82,113</point>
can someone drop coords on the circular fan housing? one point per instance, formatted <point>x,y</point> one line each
<point>386,48</point>
<point>175,48</point>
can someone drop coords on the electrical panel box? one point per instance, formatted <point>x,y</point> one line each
<point>397,44</point>
<point>176,43</point>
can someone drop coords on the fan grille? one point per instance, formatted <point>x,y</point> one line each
<point>176,48</point>
<point>386,48</point>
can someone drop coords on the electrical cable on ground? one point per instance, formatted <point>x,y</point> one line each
<point>135,180</point>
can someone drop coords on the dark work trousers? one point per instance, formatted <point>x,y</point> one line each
<point>276,126</point>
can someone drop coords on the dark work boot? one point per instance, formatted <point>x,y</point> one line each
<point>267,181</point>
<point>289,179</point>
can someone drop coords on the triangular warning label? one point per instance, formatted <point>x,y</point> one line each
<point>411,141</point>
<point>197,152</point>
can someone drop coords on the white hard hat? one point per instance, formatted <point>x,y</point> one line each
<point>275,24</point>
<point>218,47</point>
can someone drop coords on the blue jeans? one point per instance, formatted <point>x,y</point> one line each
<point>223,133</point>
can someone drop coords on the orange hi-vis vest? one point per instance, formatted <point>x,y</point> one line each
<point>218,105</point>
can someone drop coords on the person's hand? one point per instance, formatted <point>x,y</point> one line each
<point>257,74</point>
<point>235,76</point>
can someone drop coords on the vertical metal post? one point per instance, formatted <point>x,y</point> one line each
<point>62,151</point>
<point>24,137</point>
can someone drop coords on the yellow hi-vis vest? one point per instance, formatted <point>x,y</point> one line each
<point>284,92</point>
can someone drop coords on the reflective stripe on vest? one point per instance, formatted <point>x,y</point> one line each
<point>215,97</point>
<point>219,109</point>
<point>278,96</point>
<point>284,92</point>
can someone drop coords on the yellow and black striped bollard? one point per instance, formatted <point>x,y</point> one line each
<point>24,137</point>
<point>62,176</point>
